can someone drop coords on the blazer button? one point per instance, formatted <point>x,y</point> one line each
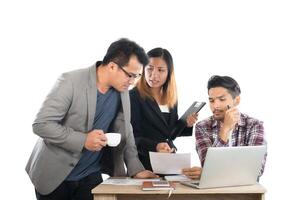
<point>72,165</point>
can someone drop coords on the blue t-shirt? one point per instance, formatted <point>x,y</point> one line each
<point>106,110</point>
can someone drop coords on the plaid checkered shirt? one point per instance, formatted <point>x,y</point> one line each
<point>247,132</point>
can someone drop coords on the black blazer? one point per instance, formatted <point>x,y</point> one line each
<point>151,128</point>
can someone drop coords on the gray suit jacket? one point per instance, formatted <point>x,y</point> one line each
<point>62,123</point>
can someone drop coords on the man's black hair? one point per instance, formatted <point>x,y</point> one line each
<point>226,82</point>
<point>121,50</point>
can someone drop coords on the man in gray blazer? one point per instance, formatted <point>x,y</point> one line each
<point>71,152</point>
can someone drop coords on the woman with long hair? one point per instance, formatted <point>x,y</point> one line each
<point>154,116</point>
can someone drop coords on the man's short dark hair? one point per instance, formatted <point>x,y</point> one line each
<point>121,50</point>
<point>226,82</point>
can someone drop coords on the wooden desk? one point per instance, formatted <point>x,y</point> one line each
<point>114,192</point>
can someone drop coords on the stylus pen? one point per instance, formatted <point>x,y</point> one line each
<point>171,145</point>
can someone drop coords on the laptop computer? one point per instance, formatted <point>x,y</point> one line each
<point>230,166</point>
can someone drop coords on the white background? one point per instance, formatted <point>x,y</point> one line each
<point>256,42</point>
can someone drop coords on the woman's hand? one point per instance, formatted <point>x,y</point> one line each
<point>163,147</point>
<point>191,119</point>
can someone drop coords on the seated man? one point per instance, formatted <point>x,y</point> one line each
<point>227,126</point>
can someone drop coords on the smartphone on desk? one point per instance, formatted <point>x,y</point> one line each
<point>161,183</point>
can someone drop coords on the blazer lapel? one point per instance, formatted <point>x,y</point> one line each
<point>91,94</point>
<point>173,116</point>
<point>154,106</point>
<point>126,109</point>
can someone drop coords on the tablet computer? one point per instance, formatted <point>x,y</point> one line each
<point>194,108</point>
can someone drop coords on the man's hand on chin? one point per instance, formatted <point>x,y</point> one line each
<point>146,174</point>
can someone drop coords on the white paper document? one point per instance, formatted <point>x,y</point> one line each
<point>169,163</point>
<point>126,181</point>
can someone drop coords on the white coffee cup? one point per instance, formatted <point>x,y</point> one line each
<point>113,139</point>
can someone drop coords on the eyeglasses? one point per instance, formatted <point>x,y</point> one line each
<point>130,75</point>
